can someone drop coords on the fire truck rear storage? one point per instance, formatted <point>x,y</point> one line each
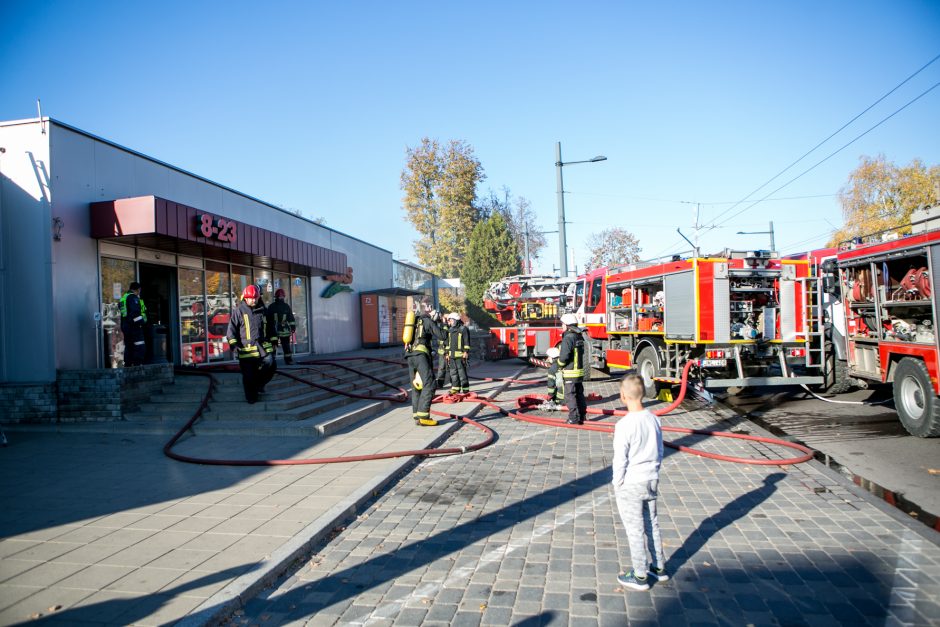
<point>531,307</point>
<point>891,319</point>
<point>742,316</point>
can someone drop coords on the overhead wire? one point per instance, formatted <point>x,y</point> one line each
<point>840,129</point>
<point>830,155</point>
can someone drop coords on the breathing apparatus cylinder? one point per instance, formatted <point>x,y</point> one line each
<point>408,334</point>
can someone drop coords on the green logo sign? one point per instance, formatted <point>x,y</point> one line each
<point>333,289</point>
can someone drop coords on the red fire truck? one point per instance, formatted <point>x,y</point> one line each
<point>745,317</point>
<point>890,320</point>
<point>530,306</point>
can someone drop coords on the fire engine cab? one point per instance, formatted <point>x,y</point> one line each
<point>743,316</point>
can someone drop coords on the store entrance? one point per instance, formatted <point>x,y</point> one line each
<point>159,293</point>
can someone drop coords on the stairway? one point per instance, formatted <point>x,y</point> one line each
<point>286,407</point>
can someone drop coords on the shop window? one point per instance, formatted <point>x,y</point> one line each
<point>298,301</point>
<point>192,302</point>
<point>116,276</point>
<point>219,305</point>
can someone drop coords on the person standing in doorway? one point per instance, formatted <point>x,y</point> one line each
<point>638,455</point>
<point>284,323</point>
<point>133,320</point>
<point>571,362</point>
<point>458,353</point>
<point>250,336</point>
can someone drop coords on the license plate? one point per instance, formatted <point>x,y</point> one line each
<point>714,363</point>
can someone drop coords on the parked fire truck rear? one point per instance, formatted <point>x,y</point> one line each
<point>743,316</point>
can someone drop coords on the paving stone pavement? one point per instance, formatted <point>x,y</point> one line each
<point>526,533</point>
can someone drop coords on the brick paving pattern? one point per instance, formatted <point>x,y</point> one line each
<point>526,533</point>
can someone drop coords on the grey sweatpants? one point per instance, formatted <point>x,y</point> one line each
<point>637,505</point>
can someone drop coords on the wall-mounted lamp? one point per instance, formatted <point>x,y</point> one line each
<point>57,225</point>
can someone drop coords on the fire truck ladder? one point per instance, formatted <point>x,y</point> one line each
<point>814,313</point>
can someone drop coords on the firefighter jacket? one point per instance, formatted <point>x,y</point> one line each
<point>571,354</point>
<point>458,341</point>
<point>133,309</point>
<point>251,331</point>
<point>425,331</point>
<point>284,323</point>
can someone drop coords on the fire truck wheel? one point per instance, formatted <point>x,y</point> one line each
<point>918,407</point>
<point>647,366</point>
<point>836,379</point>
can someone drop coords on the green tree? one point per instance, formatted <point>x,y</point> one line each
<point>492,255</point>
<point>522,222</point>
<point>880,195</point>
<point>612,247</point>
<point>440,192</point>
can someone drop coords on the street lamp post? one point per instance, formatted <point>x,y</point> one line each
<point>562,243</point>
<point>773,246</point>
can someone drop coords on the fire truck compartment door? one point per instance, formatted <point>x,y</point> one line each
<point>935,287</point>
<point>787,313</point>
<point>679,308</point>
<point>722,300</point>
<point>543,341</point>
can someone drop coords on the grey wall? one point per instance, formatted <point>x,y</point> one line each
<point>62,276</point>
<point>26,248</point>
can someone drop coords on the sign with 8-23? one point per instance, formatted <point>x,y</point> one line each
<point>213,227</point>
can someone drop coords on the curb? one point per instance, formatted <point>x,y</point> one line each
<point>233,596</point>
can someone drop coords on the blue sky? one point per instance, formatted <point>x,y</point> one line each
<point>311,105</point>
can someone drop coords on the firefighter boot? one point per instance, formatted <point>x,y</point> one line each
<point>425,420</point>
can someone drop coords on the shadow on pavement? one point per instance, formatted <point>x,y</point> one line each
<point>130,610</point>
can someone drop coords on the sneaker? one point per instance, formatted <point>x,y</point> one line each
<point>630,580</point>
<point>659,573</point>
<point>427,422</point>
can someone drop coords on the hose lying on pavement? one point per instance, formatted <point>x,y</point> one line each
<point>523,403</point>
<point>401,397</point>
<point>532,400</point>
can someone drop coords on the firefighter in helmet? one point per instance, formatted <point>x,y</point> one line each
<point>251,336</point>
<point>418,340</point>
<point>571,363</point>
<point>133,320</point>
<point>458,352</point>
<point>440,370</point>
<point>284,323</point>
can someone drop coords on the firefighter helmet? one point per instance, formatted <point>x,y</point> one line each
<point>569,319</point>
<point>553,352</point>
<point>280,293</point>
<point>250,291</point>
<point>453,316</point>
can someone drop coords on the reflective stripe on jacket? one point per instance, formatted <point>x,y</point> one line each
<point>458,341</point>
<point>571,354</point>
<point>132,307</point>
<point>250,330</point>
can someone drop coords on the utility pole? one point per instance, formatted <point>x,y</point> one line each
<point>562,244</point>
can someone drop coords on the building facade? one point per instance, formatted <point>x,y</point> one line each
<point>81,217</point>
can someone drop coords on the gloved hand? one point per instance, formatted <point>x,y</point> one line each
<point>267,360</point>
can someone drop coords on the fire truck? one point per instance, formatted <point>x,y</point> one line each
<point>746,317</point>
<point>530,307</point>
<point>888,310</point>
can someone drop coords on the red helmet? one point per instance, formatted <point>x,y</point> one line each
<point>279,294</point>
<point>250,292</point>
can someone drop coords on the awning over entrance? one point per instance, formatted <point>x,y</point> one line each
<point>162,224</point>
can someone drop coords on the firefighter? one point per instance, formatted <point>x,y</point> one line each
<point>284,323</point>
<point>440,371</point>
<point>571,363</point>
<point>458,352</point>
<point>133,320</point>
<point>250,333</point>
<point>420,371</point>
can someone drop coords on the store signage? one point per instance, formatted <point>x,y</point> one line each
<point>339,283</point>
<point>213,227</point>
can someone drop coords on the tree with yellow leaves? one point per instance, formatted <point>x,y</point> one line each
<point>440,185</point>
<point>880,196</point>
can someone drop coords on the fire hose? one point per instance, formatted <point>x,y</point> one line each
<point>523,403</point>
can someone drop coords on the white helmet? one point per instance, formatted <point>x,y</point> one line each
<point>569,319</point>
<point>453,316</point>
<point>553,352</point>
